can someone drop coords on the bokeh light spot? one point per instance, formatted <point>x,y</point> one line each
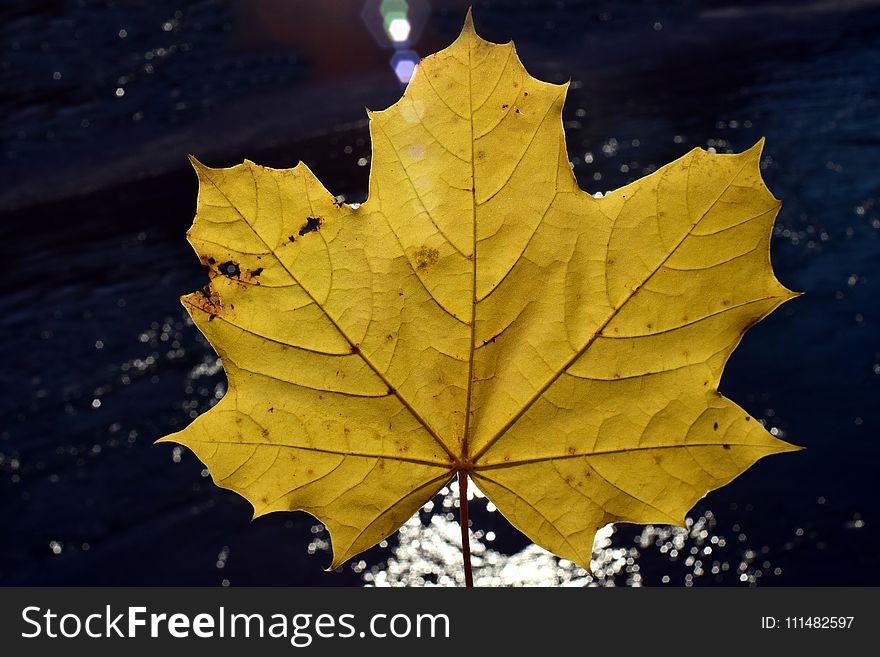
<point>399,29</point>
<point>404,64</point>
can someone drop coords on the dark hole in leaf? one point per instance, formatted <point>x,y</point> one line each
<point>312,223</point>
<point>230,269</point>
<point>211,261</point>
<point>256,272</point>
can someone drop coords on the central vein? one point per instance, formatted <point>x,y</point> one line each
<point>470,383</point>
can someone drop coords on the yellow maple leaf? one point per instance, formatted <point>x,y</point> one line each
<point>479,314</point>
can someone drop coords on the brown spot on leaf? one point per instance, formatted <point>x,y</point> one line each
<point>726,446</point>
<point>206,302</point>
<point>426,257</point>
<point>715,427</point>
<point>312,224</point>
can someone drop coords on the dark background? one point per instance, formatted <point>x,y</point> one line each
<point>101,101</point>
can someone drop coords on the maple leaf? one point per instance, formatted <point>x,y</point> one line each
<point>479,314</point>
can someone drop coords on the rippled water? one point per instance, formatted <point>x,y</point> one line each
<point>99,359</point>
<point>429,554</point>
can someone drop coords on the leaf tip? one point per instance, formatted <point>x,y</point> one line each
<point>187,299</point>
<point>755,151</point>
<point>785,447</point>
<point>302,169</point>
<point>753,155</point>
<point>193,160</point>
<point>468,31</point>
<point>469,22</point>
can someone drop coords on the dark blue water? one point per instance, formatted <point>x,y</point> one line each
<point>98,359</point>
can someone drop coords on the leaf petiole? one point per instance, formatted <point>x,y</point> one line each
<point>465,532</point>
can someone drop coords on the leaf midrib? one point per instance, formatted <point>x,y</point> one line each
<point>473,325</point>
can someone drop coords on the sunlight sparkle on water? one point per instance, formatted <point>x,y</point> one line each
<point>429,554</point>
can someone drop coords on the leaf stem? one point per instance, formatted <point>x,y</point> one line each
<point>465,532</point>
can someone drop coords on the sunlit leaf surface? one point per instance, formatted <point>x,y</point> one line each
<point>479,313</point>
